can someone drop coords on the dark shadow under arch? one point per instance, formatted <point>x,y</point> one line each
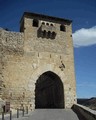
<point>49,92</point>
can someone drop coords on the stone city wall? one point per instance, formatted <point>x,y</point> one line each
<point>11,44</point>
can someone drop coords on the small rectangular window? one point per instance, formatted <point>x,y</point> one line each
<point>62,28</point>
<point>35,23</point>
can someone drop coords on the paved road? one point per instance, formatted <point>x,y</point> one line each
<point>51,114</point>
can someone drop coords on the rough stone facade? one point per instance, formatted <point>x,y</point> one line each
<point>43,44</point>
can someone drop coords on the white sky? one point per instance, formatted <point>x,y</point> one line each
<point>84,37</point>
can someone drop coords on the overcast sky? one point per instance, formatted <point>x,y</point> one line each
<point>83,14</point>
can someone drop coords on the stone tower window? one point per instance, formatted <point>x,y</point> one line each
<point>43,23</point>
<point>47,23</point>
<point>51,24</point>
<point>35,23</point>
<point>49,34</point>
<point>44,33</point>
<point>53,35</point>
<point>62,28</point>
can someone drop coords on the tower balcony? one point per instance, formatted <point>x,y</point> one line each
<point>48,28</point>
<point>46,31</point>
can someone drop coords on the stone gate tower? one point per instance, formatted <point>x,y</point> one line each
<point>37,64</point>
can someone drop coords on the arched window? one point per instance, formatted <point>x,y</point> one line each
<point>35,23</point>
<point>44,33</point>
<point>53,35</point>
<point>43,23</point>
<point>62,28</point>
<point>49,34</point>
<point>51,24</point>
<point>47,23</point>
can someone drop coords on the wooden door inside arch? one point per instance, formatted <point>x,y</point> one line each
<point>49,91</point>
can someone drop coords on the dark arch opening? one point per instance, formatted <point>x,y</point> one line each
<point>49,92</point>
<point>51,24</point>
<point>47,24</point>
<point>53,35</point>
<point>62,28</point>
<point>35,23</point>
<point>49,34</point>
<point>43,23</point>
<point>44,33</point>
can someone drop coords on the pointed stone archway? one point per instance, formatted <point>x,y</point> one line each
<point>49,91</point>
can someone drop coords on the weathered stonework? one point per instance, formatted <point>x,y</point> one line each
<point>26,55</point>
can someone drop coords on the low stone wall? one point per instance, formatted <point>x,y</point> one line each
<point>85,111</point>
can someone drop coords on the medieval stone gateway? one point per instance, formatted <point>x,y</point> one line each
<point>37,63</point>
<point>49,91</point>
